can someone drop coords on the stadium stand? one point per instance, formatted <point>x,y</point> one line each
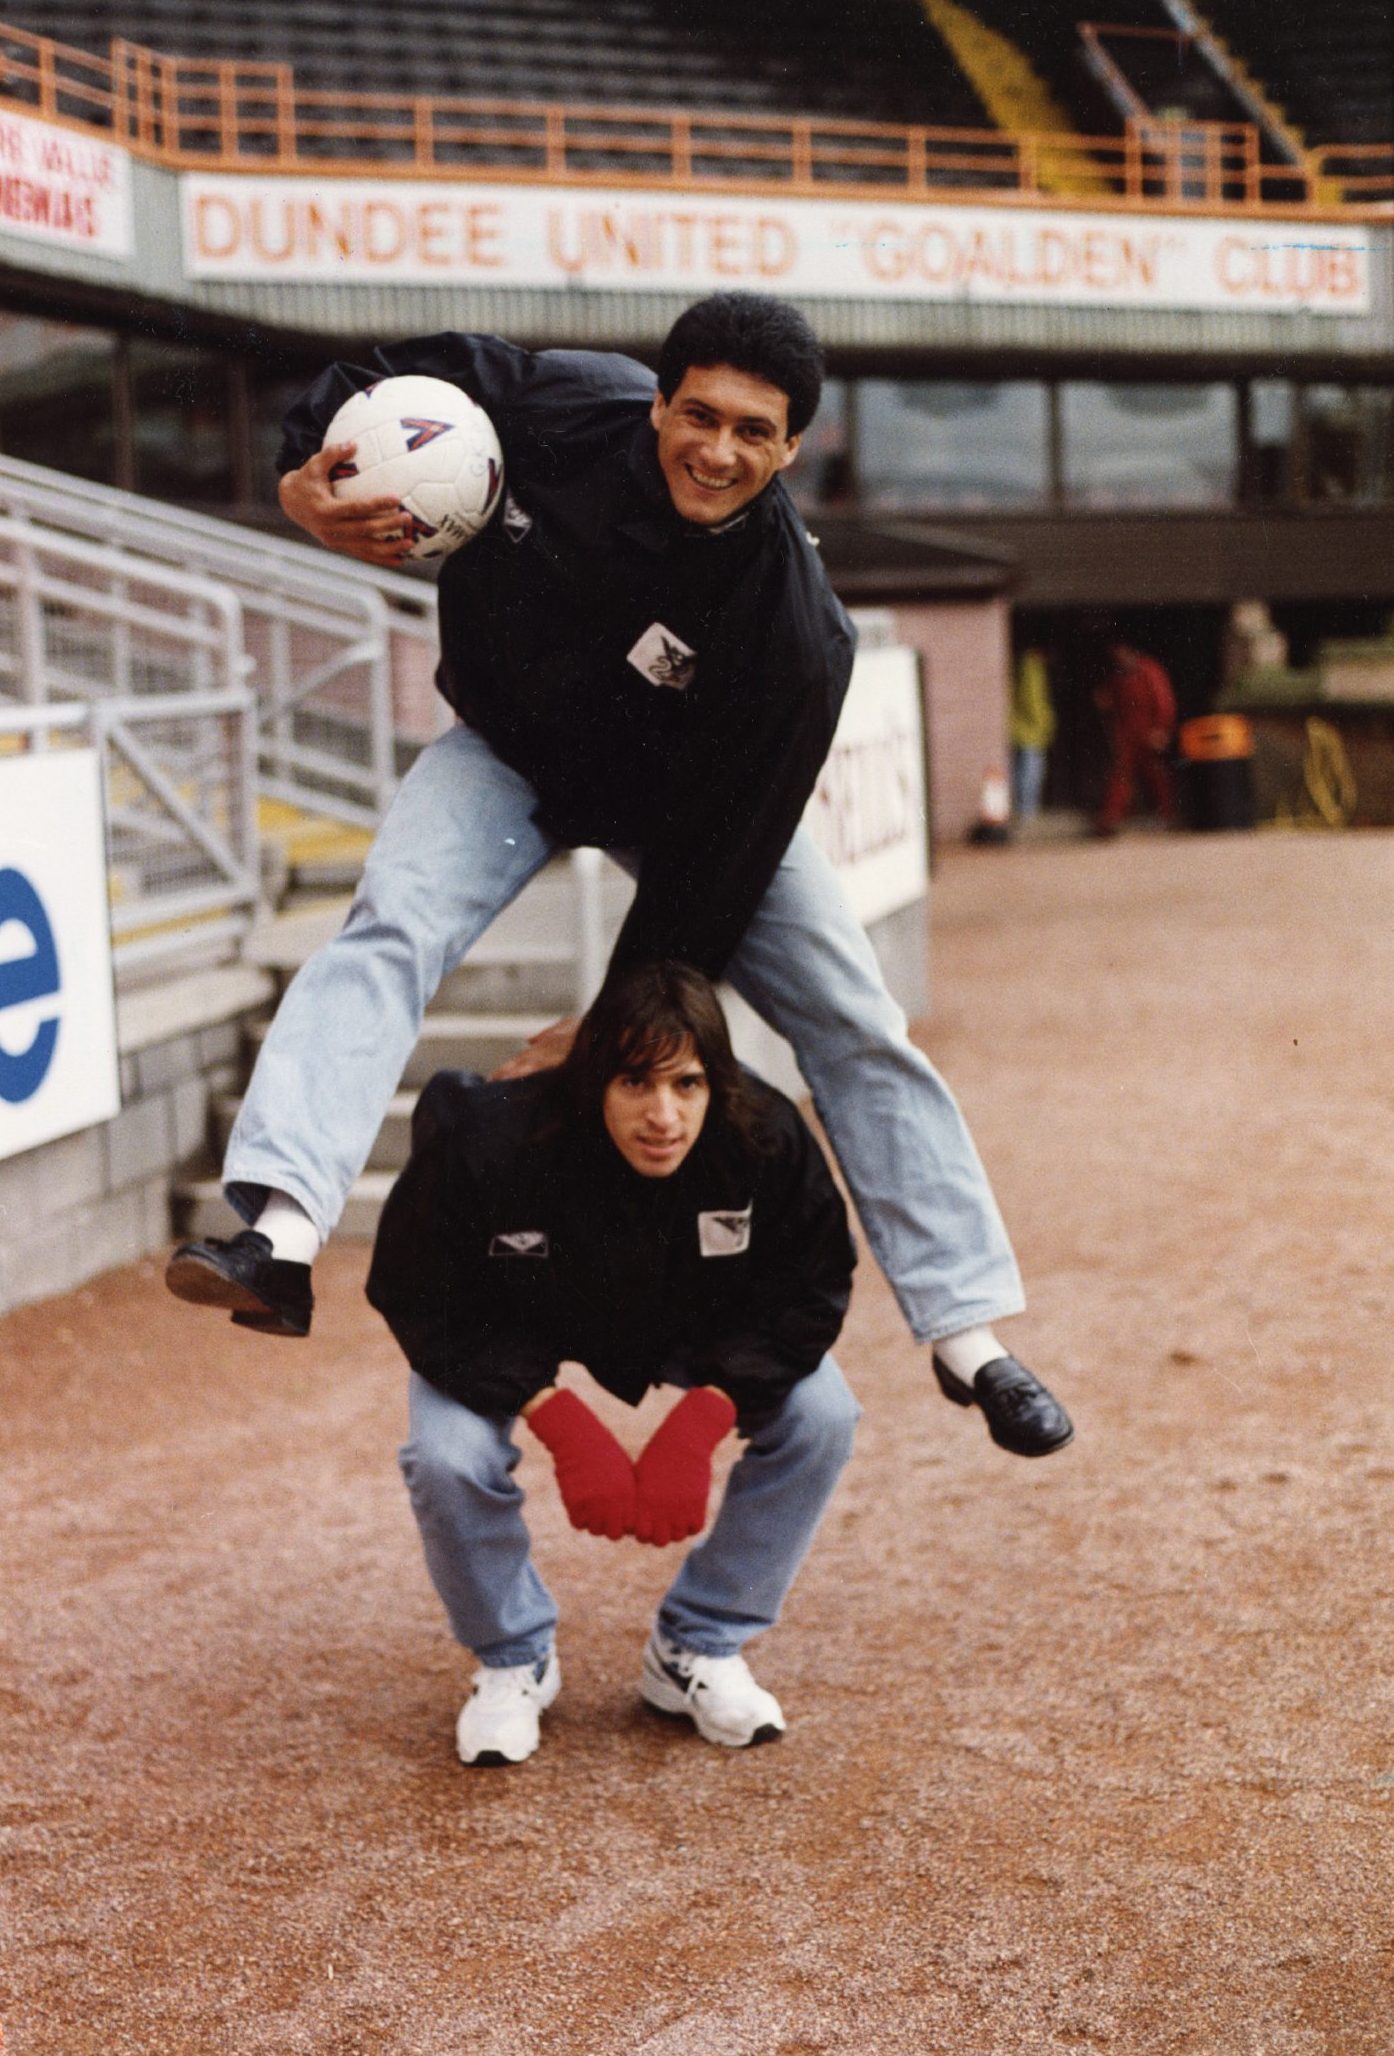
<point>791,56</point>
<point>1167,72</point>
<point>1057,67</point>
<point>1045,34</point>
<point>1330,68</point>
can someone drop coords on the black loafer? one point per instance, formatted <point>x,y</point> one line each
<point>259,1290</point>
<point>1021,1414</point>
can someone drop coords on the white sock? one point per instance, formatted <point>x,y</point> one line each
<point>294,1237</point>
<point>967,1352</point>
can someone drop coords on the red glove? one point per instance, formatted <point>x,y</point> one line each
<point>674,1474</point>
<point>594,1475</point>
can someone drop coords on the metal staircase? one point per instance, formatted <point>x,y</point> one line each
<point>145,613</point>
<point>520,976</point>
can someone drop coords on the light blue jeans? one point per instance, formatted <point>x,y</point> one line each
<point>459,1471</point>
<point>1028,781</point>
<point>457,845</point>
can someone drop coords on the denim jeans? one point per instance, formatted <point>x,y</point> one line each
<point>459,1470</point>
<point>457,845</point>
<point>1028,781</point>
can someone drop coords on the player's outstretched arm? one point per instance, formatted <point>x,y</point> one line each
<point>370,530</point>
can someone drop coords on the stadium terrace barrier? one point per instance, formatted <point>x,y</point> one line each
<point>334,664</point>
<point>233,116</point>
<point>156,658</point>
<point>340,657</point>
<point>178,774</point>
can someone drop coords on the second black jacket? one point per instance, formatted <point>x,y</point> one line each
<point>707,773</point>
<point>514,1241</point>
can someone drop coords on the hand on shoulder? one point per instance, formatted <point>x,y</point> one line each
<point>541,1052</point>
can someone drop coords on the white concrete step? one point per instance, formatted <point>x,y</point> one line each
<point>199,1208</point>
<point>455,1042</point>
<point>389,1152</point>
<point>512,974</point>
<point>527,957</point>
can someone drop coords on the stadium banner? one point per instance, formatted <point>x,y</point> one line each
<point>58,1053</point>
<point>867,813</point>
<point>359,231</point>
<point>57,186</point>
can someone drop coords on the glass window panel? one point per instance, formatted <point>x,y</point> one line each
<point>821,475</point>
<point>1272,432</point>
<point>271,400</point>
<point>57,387</point>
<point>1349,442</point>
<point>945,444</point>
<point>1149,445</point>
<point>182,424</point>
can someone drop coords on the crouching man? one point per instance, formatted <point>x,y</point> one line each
<point>660,1216</point>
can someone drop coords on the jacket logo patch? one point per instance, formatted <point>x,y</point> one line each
<point>663,658</point>
<point>521,1242</point>
<point>724,1234</point>
<point>516,523</point>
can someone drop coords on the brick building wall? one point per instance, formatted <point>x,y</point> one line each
<point>965,657</point>
<point>87,1202</point>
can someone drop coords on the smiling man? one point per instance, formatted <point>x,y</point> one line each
<point>722,436</point>
<point>645,655</point>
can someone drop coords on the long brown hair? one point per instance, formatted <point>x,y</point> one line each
<point>642,1017</point>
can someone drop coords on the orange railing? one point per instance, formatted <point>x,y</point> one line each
<point>235,116</point>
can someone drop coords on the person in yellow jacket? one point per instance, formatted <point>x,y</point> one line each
<point>1031,731</point>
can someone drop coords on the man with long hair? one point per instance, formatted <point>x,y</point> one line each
<point>653,1212</point>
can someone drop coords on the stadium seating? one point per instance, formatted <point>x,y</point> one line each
<point>1004,66</point>
<point>1046,33</point>
<point>1034,70</point>
<point>1329,67</point>
<point>878,61</point>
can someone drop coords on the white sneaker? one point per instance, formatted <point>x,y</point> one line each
<point>500,1721</point>
<point>717,1693</point>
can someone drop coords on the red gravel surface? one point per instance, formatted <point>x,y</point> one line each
<point>1094,1753</point>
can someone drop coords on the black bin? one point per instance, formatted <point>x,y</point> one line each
<point>1217,772</point>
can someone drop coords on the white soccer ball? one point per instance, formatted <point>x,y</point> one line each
<point>429,446</point>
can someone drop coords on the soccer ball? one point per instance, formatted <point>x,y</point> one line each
<point>428,445</point>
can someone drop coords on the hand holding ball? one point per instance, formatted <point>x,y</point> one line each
<point>428,446</point>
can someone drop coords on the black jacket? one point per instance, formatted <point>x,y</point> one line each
<point>515,1240</point>
<point>540,614</point>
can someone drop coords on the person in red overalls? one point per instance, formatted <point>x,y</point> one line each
<point>1139,706</point>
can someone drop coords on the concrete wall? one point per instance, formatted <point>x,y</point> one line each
<point>90,1201</point>
<point>965,655</point>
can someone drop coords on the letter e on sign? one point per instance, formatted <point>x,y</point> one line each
<point>59,1063</point>
<point>32,975</point>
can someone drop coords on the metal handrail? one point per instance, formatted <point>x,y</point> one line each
<point>320,630</point>
<point>224,114</point>
<point>197,920</point>
<point>118,513</point>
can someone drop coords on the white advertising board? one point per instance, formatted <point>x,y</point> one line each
<point>59,186</point>
<point>451,233</point>
<point>867,812</point>
<point>58,1065</point>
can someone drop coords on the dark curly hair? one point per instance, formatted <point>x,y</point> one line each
<point>754,333</point>
<point>642,1017</point>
